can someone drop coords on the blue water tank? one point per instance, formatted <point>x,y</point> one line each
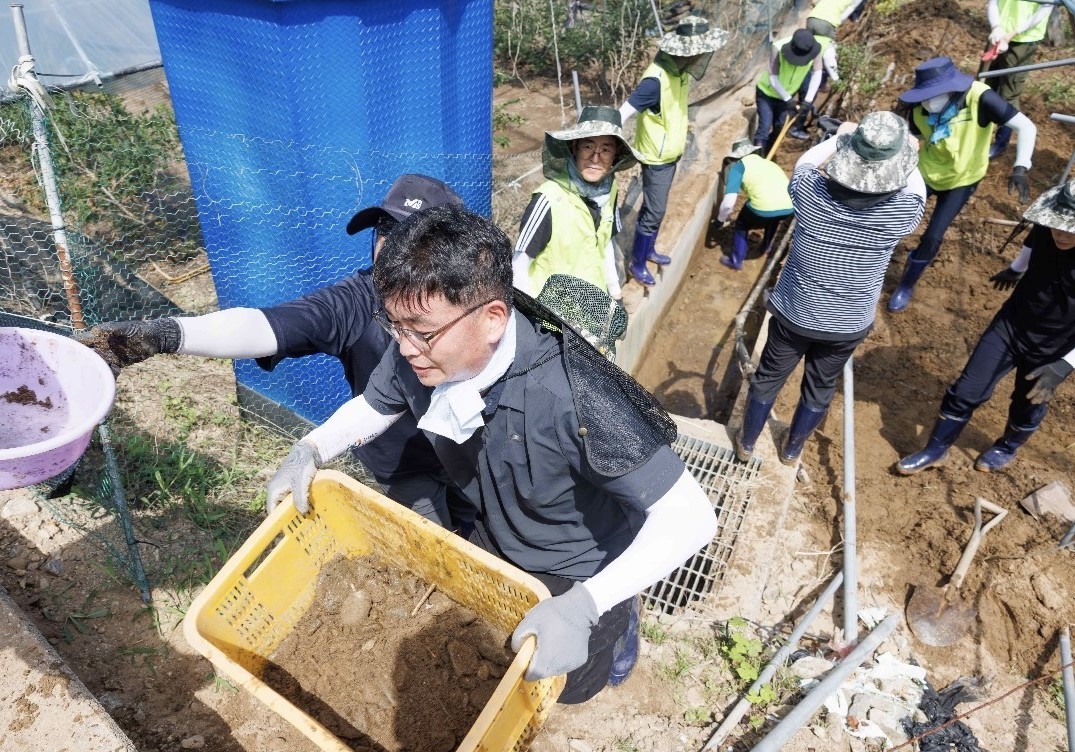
<point>295,114</point>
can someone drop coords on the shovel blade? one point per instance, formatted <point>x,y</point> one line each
<point>938,617</point>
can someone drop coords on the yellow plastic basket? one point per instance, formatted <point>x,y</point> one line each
<point>259,595</point>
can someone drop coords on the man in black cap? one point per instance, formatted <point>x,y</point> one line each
<point>337,320</point>
<point>790,61</point>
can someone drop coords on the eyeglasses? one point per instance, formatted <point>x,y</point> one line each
<point>605,152</point>
<point>421,340</point>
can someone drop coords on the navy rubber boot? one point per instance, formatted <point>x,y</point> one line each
<point>754,417</point>
<point>911,274</point>
<point>1000,143</point>
<point>658,258</point>
<point>803,423</point>
<point>639,254</point>
<point>734,260</point>
<point>625,651</point>
<point>1001,454</point>
<point>945,431</point>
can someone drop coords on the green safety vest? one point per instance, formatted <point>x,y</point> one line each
<point>765,184</point>
<point>791,76</point>
<point>830,10</point>
<point>962,158</point>
<point>660,138</point>
<point>575,248</point>
<point>1014,14</point>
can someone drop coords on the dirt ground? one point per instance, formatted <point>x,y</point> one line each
<point>911,530</point>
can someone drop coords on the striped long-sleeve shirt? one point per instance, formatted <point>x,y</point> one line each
<point>832,279</point>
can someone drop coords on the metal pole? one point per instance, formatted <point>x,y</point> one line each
<point>578,96</point>
<point>850,533</point>
<point>1062,118</point>
<point>119,500</point>
<point>1069,684</point>
<point>657,17</point>
<point>48,175</point>
<point>741,707</point>
<point>1067,170</point>
<point>1031,67</point>
<point>806,708</point>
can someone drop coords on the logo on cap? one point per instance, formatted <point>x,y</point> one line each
<point>413,203</point>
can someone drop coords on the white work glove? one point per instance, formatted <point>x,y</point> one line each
<point>562,628</point>
<point>996,35</point>
<point>294,477</point>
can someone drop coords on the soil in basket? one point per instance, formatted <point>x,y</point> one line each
<point>379,678</point>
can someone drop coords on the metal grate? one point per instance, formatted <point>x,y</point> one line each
<point>729,484</point>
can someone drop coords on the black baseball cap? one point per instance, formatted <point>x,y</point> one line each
<point>410,193</point>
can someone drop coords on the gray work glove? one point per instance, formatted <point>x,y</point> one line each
<point>294,477</point>
<point>1047,378</point>
<point>562,628</point>
<point>1006,279</point>
<point>124,343</point>
<point>1018,181</point>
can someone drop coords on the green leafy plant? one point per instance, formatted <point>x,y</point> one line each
<point>741,650</point>
<point>502,120</point>
<point>860,68</point>
<point>654,632</point>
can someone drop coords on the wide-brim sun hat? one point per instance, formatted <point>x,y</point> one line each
<point>936,76</point>
<point>593,122</point>
<point>692,36</point>
<point>801,48</point>
<point>877,158</point>
<point>1055,208</point>
<point>741,147</point>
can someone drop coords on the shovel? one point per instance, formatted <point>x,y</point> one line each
<point>937,615</point>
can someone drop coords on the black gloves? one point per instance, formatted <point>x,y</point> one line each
<point>1018,181</point>
<point>1047,378</point>
<point>124,343</point>
<point>1006,279</point>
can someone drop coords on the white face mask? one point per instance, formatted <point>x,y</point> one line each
<point>937,103</point>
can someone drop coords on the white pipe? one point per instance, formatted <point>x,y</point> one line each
<point>736,713</point>
<point>806,708</point>
<point>850,526</point>
<point>1069,684</point>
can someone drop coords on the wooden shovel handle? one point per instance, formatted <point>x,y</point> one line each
<point>976,538</point>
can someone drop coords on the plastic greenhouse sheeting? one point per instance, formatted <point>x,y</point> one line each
<point>81,41</point>
<point>295,114</point>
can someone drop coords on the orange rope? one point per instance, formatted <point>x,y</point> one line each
<point>976,708</point>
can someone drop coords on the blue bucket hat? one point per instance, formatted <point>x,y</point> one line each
<point>936,76</point>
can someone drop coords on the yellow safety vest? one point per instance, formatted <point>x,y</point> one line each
<point>831,10</point>
<point>1014,14</point>
<point>962,158</point>
<point>765,184</point>
<point>660,138</point>
<point>791,76</point>
<point>576,247</point>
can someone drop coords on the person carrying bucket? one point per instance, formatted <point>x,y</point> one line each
<point>660,99</point>
<point>572,217</point>
<point>1033,334</point>
<point>768,204</point>
<point>791,60</point>
<point>1016,28</point>
<point>955,117</point>
<point>855,197</point>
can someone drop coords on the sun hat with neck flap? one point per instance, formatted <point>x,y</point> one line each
<point>692,36</point>
<point>934,77</point>
<point>1055,208</point>
<point>877,158</point>
<point>593,122</point>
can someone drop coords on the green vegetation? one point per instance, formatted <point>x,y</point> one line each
<point>108,160</point>
<point>502,120</point>
<point>860,68</point>
<point>609,41</point>
<point>1058,90</point>
<point>654,632</point>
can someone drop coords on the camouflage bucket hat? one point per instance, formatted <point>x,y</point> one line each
<point>1055,208</point>
<point>877,158</point>
<point>741,147</point>
<point>692,36</point>
<point>594,121</point>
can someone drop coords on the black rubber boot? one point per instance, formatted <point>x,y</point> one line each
<point>754,417</point>
<point>1002,453</point>
<point>803,423</point>
<point>945,431</point>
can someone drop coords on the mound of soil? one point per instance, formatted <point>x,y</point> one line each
<point>380,675</point>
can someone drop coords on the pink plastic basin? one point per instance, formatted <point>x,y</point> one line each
<point>53,393</point>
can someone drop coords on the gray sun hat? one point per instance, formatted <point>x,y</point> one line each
<point>692,36</point>
<point>1055,208</point>
<point>877,158</point>
<point>594,121</point>
<point>741,147</point>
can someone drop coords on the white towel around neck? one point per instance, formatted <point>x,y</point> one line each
<point>455,409</point>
